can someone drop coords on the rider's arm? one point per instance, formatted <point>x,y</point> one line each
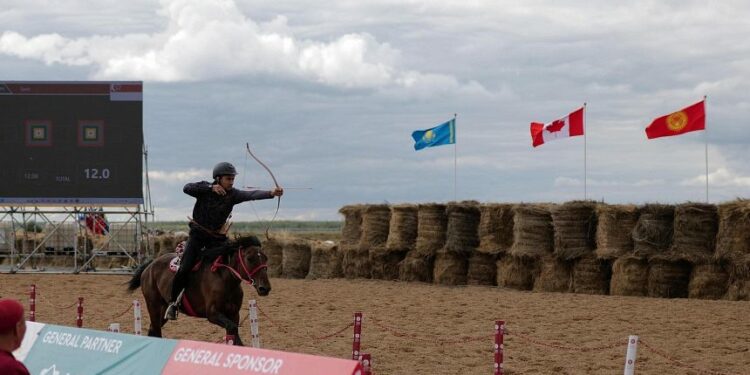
<point>251,195</point>
<point>196,189</point>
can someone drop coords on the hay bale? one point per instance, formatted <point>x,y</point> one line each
<point>708,281</point>
<point>652,234</point>
<point>450,268</point>
<point>384,263</point>
<point>376,221</point>
<point>668,279</point>
<point>355,262</point>
<point>273,249</point>
<point>629,277</point>
<point>495,228</point>
<point>733,238</point>
<point>482,269</point>
<point>591,275</point>
<point>614,230</point>
<point>463,222</point>
<point>532,231</point>
<point>575,229</point>
<point>738,290</point>
<point>432,223</point>
<point>402,235</point>
<point>325,261</point>
<point>295,258</point>
<point>695,227</point>
<point>517,272</point>
<point>554,276</point>
<point>351,231</point>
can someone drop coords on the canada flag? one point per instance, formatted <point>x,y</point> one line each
<point>568,126</point>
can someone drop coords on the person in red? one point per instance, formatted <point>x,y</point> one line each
<point>12,329</point>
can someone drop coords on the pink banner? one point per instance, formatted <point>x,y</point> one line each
<point>193,357</point>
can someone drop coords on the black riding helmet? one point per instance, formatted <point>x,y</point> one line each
<point>224,169</point>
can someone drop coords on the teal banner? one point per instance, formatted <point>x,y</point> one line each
<point>62,350</point>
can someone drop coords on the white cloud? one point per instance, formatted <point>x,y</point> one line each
<point>721,177</point>
<point>179,176</point>
<point>212,39</point>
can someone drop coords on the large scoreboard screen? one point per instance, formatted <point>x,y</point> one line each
<point>71,143</point>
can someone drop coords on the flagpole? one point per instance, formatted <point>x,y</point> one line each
<point>585,179</point>
<point>455,165</point>
<point>705,138</point>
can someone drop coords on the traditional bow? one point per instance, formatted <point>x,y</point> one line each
<point>278,202</point>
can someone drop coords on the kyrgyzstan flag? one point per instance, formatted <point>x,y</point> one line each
<point>568,126</point>
<point>688,119</point>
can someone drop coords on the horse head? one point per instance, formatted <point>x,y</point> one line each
<point>253,264</point>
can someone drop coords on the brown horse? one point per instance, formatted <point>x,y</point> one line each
<point>212,294</point>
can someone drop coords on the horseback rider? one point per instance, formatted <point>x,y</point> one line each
<point>213,206</point>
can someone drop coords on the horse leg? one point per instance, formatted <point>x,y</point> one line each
<point>156,318</point>
<point>230,325</point>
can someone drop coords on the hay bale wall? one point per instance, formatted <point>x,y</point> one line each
<point>482,269</point>
<point>376,221</point>
<point>591,276</point>
<point>325,261</point>
<point>532,231</point>
<point>495,228</point>
<point>652,234</point>
<point>351,231</point>
<point>355,262</point>
<point>402,235</point>
<point>667,279</point>
<point>384,263</point>
<point>432,223</point>
<point>614,230</point>
<point>733,238</point>
<point>274,251</point>
<point>695,228</point>
<point>629,277</point>
<point>463,222</point>
<point>574,226</point>
<point>450,268</point>
<point>295,258</point>
<point>708,281</point>
<point>517,272</point>
<point>555,275</point>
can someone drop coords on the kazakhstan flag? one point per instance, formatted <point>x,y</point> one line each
<point>443,134</point>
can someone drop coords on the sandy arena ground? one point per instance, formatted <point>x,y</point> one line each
<point>443,330</point>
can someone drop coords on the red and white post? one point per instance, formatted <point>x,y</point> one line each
<point>32,303</point>
<point>499,346</point>
<point>366,360</point>
<point>357,335</point>
<point>229,339</point>
<point>79,318</point>
<point>137,318</point>
<point>254,323</point>
<point>631,355</point>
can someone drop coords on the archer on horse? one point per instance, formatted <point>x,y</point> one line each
<point>213,206</point>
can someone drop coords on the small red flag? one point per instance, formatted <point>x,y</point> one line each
<point>688,119</point>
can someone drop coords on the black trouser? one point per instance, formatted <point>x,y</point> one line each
<point>191,255</point>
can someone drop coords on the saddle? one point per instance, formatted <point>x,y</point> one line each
<point>174,264</point>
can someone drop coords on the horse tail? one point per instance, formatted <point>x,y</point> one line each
<point>135,282</point>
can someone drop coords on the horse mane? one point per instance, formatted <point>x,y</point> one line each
<point>230,247</point>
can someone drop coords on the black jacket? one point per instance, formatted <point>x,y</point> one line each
<point>211,210</point>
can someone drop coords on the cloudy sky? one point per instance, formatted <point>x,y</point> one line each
<point>329,94</point>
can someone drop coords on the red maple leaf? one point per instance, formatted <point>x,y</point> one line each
<point>555,126</point>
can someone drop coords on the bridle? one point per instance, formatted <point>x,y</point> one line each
<point>250,274</point>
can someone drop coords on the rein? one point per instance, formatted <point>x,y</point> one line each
<point>249,273</point>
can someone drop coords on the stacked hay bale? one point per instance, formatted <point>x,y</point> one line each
<point>274,250</point>
<point>402,237</point>
<point>295,262</point>
<point>368,260</point>
<point>591,275</point>
<point>733,246</point>
<point>652,234</point>
<point>431,226</point>
<point>495,239</point>
<point>574,226</point>
<point>629,276</point>
<point>614,230</point>
<point>351,233</point>
<point>667,278</point>
<point>708,281</point>
<point>452,261</point>
<point>325,261</point>
<point>167,243</point>
<point>555,275</point>
<point>695,228</point>
<point>532,241</point>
